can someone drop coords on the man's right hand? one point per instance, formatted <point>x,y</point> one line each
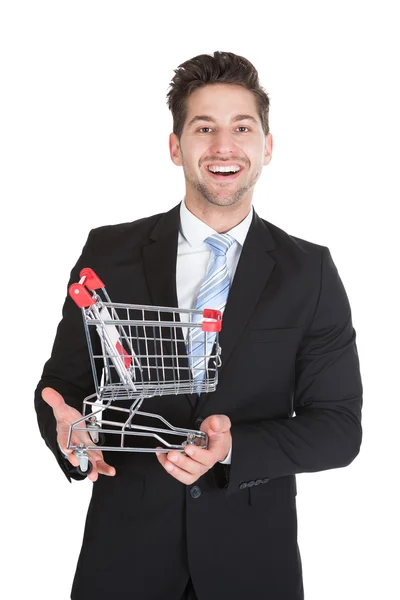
<point>65,415</point>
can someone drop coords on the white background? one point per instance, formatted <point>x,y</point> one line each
<point>84,142</point>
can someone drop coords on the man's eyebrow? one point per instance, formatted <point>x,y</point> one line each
<point>209,119</point>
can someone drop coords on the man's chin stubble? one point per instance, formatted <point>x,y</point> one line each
<point>217,200</point>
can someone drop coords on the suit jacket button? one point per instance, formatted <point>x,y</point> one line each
<point>198,422</point>
<point>243,486</point>
<point>195,491</point>
<point>258,481</point>
<point>265,480</point>
<point>250,483</point>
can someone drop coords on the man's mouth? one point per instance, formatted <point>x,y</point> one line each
<point>224,172</point>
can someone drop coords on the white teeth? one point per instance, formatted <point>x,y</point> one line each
<point>220,169</point>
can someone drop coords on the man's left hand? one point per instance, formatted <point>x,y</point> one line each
<point>187,467</point>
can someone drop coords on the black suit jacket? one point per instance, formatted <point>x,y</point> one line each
<point>290,383</point>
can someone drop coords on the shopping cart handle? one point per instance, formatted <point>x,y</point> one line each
<point>92,281</point>
<point>216,323</point>
<point>77,291</point>
<point>80,296</point>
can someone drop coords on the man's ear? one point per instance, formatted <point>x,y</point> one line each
<point>175,149</point>
<point>268,148</point>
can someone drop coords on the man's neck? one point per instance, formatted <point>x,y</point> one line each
<point>219,218</point>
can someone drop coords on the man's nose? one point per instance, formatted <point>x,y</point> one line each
<point>223,142</point>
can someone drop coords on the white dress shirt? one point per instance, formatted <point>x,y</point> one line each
<point>195,257</point>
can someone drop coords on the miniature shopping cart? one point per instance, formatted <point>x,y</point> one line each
<point>144,353</point>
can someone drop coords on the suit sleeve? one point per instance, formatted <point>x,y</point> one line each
<point>325,432</point>
<point>68,370</point>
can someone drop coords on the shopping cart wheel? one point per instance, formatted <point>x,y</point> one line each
<point>97,436</point>
<point>101,439</point>
<point>88,470</point>
<point>85,466</point>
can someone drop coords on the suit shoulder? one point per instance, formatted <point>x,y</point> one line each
<point>292,242</point>
<point>112,243</point>
<point>133,229</point>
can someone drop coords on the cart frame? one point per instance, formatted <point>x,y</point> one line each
<point>141,357</point>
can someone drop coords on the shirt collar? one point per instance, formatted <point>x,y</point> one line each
<point>196,231</point>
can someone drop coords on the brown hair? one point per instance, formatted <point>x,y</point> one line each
<point>205,69</point>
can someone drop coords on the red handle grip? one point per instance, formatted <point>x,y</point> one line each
<point>80,296</point>
<point>93,282</point>
<point>77,291</point>
<point>211,313</point>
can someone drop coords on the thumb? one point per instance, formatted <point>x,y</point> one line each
<point>53,398</point>
<point>216,424</point>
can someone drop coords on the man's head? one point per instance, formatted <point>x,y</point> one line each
<point>220,118</point>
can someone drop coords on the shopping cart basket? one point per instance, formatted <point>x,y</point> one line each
<point>144,353</point>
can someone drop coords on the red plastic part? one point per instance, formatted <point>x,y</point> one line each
<point>93,282</point>
<point>80,296</point>
<point>125,357</point>
<point>211,313</point>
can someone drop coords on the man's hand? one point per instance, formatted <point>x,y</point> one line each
<point>191,465</point>
<point>65,415</point>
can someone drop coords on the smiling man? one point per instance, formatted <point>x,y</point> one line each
<point>218,522</point>
<point>222,148</point>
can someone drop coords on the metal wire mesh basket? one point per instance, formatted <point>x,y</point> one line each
<point>143,353</point>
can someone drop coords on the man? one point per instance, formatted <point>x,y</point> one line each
<point>218,522</point>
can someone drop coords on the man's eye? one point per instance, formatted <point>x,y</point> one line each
<point>240,127</point>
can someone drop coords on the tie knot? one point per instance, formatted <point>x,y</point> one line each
<point>220,243</point>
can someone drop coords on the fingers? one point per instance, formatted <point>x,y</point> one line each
<point>200,455</point>
<point>182,467</point>
<point>100,467</point>
<point>65,415</point>
<point>53,398</point>
<point>104,469</point>
<point>216,424</point>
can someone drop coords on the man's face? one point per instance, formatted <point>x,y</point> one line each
<point>222,129</point>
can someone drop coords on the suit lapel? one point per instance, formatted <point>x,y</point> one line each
<point>159,260</point>
<point>159,263</point>
<point>252,274</point>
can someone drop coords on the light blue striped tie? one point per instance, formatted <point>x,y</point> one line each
<point>213,294</point>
